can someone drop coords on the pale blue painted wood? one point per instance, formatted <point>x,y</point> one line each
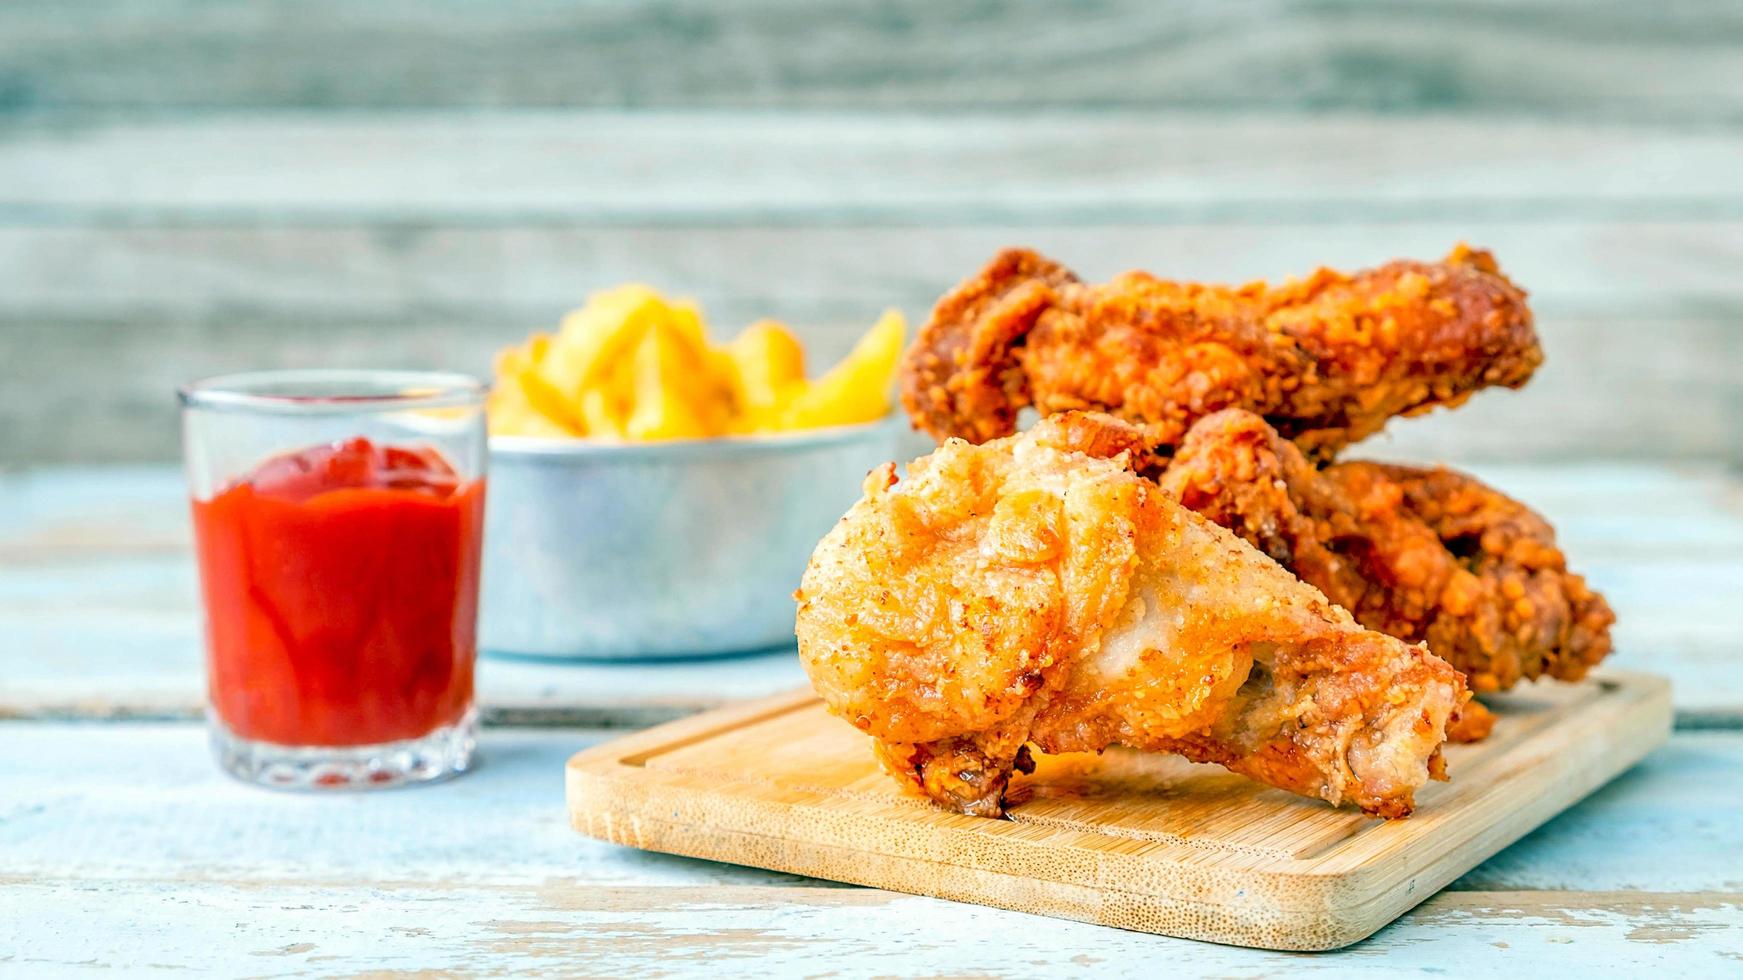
<point>633,168</point>
<point>144,799</point>
<point>138,252</point>
<point>1672,823</point>
<point>1545,58</point>
<point>121,845</point>
<point>237,927</point>
<point>134,310</point>
<point>70,509</point>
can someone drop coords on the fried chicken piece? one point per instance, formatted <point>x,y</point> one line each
<point>1521,613</point>
<point>1326,360</point>
<point>1426,555</point>
<point>1016,595</point>
<point>1472,722</point>
<point>963,376</point>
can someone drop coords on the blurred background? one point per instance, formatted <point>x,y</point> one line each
<point>189,187</point>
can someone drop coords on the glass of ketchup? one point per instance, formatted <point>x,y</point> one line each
<point>337,521</point>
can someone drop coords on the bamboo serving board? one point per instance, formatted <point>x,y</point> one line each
<point>1128,839</point>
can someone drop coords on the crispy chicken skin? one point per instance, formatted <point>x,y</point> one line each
<point>1426,555</point>
<point>963,375</point>
<point>1326,360</point>
<point>1018,594</point>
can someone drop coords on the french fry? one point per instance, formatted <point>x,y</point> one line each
<point>687,320</point>
<point>517,372</point>
<point>766,362</point>
<point>666,403</point>
<point>506,417</point>
<point>632,365</point>
<point>767,356</point>
<point>513,408</point>
<point>597,336</point>
<point>855,390</point>
<point>603,418</point>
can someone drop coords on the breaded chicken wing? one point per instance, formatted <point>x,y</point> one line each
<point>1426,555</point>
<point>1018,594</point>
<point>1326,360</point>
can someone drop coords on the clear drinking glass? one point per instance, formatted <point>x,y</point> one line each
<point>337,523</point>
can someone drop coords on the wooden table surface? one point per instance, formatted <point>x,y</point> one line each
<point>122,846</point>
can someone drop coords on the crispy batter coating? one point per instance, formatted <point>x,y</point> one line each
<point>1471,723</point>
<point>1326,360</point>
<point>963,376</point>
<point>1426,555</point>
<point>1018,594</point>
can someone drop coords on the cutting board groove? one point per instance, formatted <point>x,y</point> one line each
<point>1128,839</point>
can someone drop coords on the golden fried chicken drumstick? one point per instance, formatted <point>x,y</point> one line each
<point>1018,594</point>
<point>1326,360</point>
<point>1426,555</point>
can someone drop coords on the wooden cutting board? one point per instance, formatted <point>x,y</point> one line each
<point>1127,839</point>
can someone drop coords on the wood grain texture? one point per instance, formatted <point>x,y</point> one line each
<point>720,168</point>
<point>1129,839</point>
<point>98,602</point>
<point>71,784</point>
<point>138,253</point>
<point>482,877</point>
<point>1640,321</point>
<point>466,929</point>
<point>1547,57</point>
<point>526,275</point>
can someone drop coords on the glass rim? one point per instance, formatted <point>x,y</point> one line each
<point>323,391</point>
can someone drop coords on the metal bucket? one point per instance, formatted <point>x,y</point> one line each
<point>663,549</point>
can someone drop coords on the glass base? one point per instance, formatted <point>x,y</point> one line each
<point>444,753</point>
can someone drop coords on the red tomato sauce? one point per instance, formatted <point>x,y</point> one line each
<point>341,594</point>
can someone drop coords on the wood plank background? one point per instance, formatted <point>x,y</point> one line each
<point>187,188</point>
<point>1673,60</point>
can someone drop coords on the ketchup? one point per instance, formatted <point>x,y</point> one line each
<point>341,594</point>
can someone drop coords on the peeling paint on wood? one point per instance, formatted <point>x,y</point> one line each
<point>471,931</point>
<point>121,845</point>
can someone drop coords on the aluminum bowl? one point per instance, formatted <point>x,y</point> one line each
<point>662,549</point>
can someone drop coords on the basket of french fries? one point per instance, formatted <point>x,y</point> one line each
<point>653,494</point>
